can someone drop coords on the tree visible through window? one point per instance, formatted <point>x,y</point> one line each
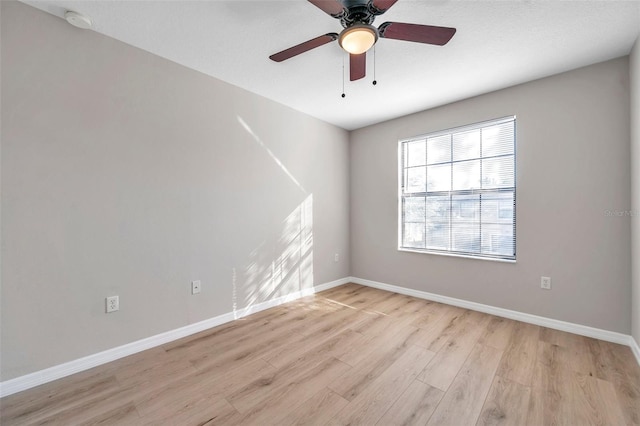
<point>458,191</point>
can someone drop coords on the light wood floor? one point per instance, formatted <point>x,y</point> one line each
<point>352,355</point>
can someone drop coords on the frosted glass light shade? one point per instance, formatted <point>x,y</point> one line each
<point>358,38</point>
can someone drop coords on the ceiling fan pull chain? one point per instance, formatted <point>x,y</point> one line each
<point>343,94</point>
<point>374,66</point>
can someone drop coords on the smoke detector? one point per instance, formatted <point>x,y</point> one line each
<point>77,19</point>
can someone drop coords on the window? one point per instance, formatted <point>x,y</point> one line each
<point>458,191</point>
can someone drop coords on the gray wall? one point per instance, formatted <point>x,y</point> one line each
<point>634,66</point>
<point>572,166</point>
<point>124,173</point>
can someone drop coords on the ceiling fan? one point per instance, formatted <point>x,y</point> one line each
<point>359,35</point>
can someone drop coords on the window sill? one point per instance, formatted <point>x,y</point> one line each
<point>492,259</point>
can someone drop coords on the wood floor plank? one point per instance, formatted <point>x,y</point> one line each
<point>595,401</point>
<point>303,369</point>
<point>184,394</point>
<point>462,403</point>
<point>444,367</point>
<point>506,404</point>
<point>574,347</point>
<point>429,315</point>
<point>330,344</point>
<point>374,324</point>
<point>414,407</point>
<point>377,325</point>
<point>415,305</point>
<point>498,333</point>
<point>617,365</point>
<point>282,399</point>
<point>519,358</point>
<point>397,304</point>
<point>95,410</point>
<point>240,330</point>
<point>550,391</point>
<point>370,348</point>
<point>348,288</point>
<point>317,410</point>
<point>31,407</point>
<point>220,359</point>
<point>390,303</point>
<point>123,415</point>
<point>357,379</point>
<point>371,404</point>
<point>335,321</point>
<point>564,396</point>
<point>344,294</point>
<point>172,397</point>
<point>149,374</point>
<point>235,378</point>
<point>441,330</point>
<point>202,411</point>
<point>360,297</point>
<point>132,362</point>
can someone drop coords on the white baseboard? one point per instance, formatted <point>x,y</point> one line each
<point>59,371</point>
<point>583,330</point>
<point>332,284</point>
<point>283,299</point>
<point>634,348</point>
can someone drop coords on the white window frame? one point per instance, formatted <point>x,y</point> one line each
<point>402,194</point>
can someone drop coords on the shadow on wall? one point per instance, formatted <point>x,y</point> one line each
<point>283,263</point>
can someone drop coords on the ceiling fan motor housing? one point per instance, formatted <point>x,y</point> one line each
<point>361,14</point>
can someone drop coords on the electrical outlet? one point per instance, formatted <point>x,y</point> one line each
<point>113,304</point>
<point>336,257</point>
<point>545,283</point>
<point>195,287</point>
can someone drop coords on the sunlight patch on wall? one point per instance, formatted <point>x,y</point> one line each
<point>282,264</point>
<point>259,141</point>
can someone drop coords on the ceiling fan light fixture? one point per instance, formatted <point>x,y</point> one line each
<point>358,38</point>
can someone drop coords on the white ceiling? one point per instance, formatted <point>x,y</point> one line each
<point>498,44</point>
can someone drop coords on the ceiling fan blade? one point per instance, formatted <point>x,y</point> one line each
<point>303,47</point>
<point>418,33</point>
<point>357,66</point>
<point>330,7</point>
<point>381,6</point>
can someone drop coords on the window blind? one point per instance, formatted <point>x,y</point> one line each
<point>458,191</point>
